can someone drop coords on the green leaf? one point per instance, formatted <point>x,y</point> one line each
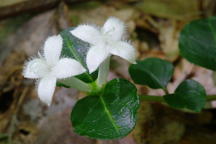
<point>73,47</point>
<point>198,42</point>
<point>76,49</point>
<point>154,72</point>
<point>109,115</point>
<point>189,95</point>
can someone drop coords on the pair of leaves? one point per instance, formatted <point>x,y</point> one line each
<point>108,115</point>
<point>197,44</point>
<point>156,73</point>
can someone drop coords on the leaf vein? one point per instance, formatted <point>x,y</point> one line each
<point>109,115</point>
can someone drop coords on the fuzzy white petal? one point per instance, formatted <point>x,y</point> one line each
<point>95,56</point>
<point>52,49</point>
<point>114,28</point>
<point>67,67</point>
<point>87,33</point>
<point>35,68</point>
<point>124,50</point>
<point>46,88</point>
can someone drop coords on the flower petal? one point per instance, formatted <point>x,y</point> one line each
<point>114,28</point>
<point>87,33</point>
<point>35,68</point>
<point>95,56</point>
<point>124,50</point>
<point>52,49</point>
<point>46,88</point>
<point>67,67</point>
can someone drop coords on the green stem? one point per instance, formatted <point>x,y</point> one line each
<point>211,97</point>
<point>153,98</point>
<point>166,91</point>
<point>77,84</point>
<point>103,72</point>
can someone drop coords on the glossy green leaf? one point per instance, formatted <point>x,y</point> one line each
<point>76,49</point>
<point>198,42</point>
<point>189,95</point>
<point>109,115</point>
<point>154,72</point>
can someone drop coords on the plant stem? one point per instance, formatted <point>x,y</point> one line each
<point>103,72</point>
<point>211,97</point>
<point>153,98</point>
<point>166,91</point>
<point>77,83</point>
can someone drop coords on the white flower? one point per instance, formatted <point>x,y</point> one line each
<point>50,68</point>
<point>104,42</point>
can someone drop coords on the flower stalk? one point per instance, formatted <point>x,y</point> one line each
<point>77,84</point>
<point>103,72</point>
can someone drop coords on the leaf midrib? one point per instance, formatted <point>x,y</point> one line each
<point>70,46</point>
<point>154,77</point>
<point>76,56</point>
<point>109,115</point>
